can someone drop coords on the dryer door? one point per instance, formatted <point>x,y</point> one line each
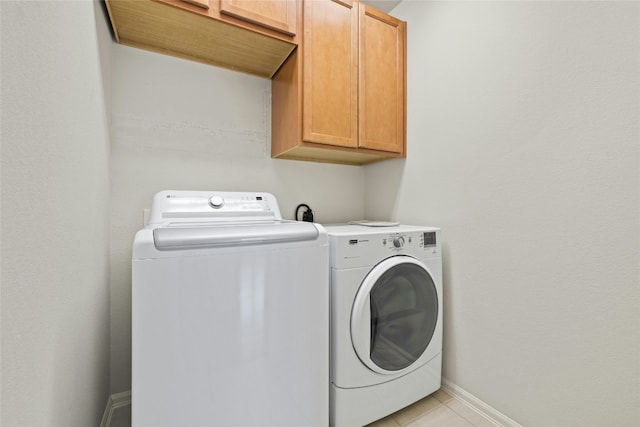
<point>394,315</point>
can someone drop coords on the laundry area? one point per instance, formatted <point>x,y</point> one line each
<point>510,196</point>
<point>235,308</point>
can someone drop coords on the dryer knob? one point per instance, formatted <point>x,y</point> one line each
<point>398,241</point>
<point>216,202</point>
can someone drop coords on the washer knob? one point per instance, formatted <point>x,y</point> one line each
<point>398,241</point>
<point>216,202</point>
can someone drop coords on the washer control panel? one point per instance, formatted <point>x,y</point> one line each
<point>213,206</point>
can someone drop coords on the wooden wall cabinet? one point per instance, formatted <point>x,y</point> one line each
<point>340,97</point>
<point>251,36</point>
<point>278,15</point>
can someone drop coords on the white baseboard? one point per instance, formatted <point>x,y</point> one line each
<point>114,402</point>
<point>487,411</point>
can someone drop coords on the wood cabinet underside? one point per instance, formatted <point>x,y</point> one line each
<point>187,31</point>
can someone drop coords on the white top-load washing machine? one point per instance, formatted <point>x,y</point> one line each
<point>229,314</point>
<point>386,319</point>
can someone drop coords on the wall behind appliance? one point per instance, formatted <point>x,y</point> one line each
<point>182,125</point>
<point>523,145</point>
<point>55,214</point>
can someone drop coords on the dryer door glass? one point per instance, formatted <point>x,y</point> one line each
<point>404,312</point>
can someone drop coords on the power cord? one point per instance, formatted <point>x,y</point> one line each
<point>306,215</point>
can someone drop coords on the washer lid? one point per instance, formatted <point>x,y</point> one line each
<point>181,236</point>
<point>394,315</point>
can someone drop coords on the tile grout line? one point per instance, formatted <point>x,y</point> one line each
<point>420,415</point>
<point>441,402</point>
<point>471,408</point>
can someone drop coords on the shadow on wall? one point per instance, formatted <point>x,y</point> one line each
<point>383,178</point>
<point>334,192</point>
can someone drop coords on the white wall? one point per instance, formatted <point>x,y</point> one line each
<point>182,125</point>
<point>523,145</point>
<point>55,216</point>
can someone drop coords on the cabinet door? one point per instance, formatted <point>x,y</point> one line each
<point>330,72</point>
<point>382,81</point>
<point>200,3</point>
<point>279,15</point>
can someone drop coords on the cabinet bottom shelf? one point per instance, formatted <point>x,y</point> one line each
<point>332,155</point>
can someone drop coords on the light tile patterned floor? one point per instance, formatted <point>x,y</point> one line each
<point>436,410</point>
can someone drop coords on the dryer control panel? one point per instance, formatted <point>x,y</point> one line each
<point>357,245</point>
<point>398,241</point>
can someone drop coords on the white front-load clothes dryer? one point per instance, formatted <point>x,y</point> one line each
<point>386,319</point>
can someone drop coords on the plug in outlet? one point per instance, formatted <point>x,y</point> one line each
<point>307,215</point>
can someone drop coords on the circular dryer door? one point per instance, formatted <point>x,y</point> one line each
<point>394,315</point>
